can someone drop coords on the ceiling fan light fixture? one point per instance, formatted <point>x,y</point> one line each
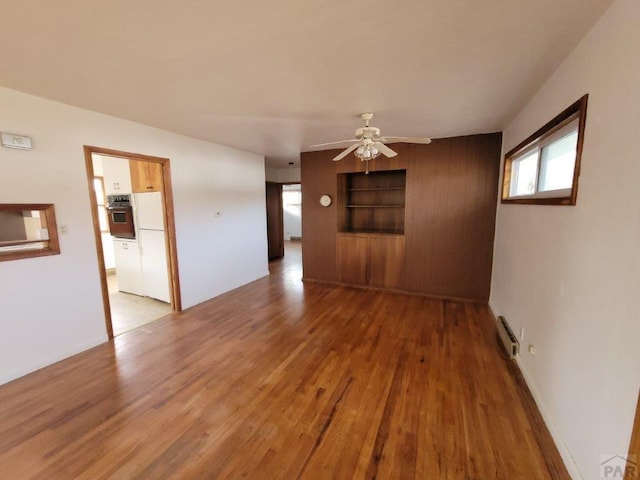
<point>366,152</point>
<point>368,143</point>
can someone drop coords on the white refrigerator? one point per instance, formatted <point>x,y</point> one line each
<point>153,250</point>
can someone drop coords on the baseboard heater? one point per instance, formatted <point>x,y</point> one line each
<point>507,338</point>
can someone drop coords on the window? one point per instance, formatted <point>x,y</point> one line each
<point>27,230</point>
<point>98,185</point>
<point>292,199</point>
<point>544,169</point>
<point>292,195</point>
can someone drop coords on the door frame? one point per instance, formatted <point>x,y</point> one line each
<point>633,458</point>
<point>170,237</point>
<point>279,220</point>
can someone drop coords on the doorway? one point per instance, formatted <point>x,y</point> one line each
<point>132,208</point>
<point>292,211</point>
<point>284,218</point>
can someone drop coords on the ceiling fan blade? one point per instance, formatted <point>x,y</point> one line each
<point>346,152</point>
<point>422,140</point>
<point>383,149</point>
<point>332,143</point>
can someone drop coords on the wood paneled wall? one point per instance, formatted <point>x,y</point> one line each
<point>452,192</point>
<point>319,224</point>
<point>451,198</point>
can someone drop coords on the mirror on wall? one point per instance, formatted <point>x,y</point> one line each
<point>27,230</point>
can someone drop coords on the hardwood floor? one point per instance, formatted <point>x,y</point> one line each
<point>280,380</point>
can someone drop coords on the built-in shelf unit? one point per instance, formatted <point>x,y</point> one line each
<point>373,202</point>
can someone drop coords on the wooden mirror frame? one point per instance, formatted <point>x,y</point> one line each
<point>52,245</point>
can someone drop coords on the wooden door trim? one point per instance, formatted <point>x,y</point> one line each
<point>633,459</point>
<point>176,297</point>
<point>280,219</point>
<point>102,270</point>
<point>172,257</point>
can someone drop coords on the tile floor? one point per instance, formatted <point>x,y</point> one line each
<point>132,311</point>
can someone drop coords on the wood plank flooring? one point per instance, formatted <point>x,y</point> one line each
<point>280,380</point>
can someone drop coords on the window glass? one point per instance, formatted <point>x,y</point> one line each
<point>102,217</point>
<point>557,163</point>
<point>524,173</point>
<point>292,199</point>
<point>98,185</point>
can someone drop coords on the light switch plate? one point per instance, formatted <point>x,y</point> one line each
<point>11,140</point>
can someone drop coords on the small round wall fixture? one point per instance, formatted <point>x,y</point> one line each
<point>325,200</point>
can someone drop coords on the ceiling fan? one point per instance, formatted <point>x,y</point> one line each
<point>368,143</point>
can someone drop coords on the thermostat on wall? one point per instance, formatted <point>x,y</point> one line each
<point>11,140</point>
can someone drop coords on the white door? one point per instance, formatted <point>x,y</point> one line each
<point>154,264</point>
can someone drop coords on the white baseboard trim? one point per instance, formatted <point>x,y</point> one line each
<point>564,451</point>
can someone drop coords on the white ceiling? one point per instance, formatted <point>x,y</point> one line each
<point>275,77</point>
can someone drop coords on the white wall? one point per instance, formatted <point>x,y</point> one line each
<point>292,223</point>
<point>52,306</point>
<point>283,175</point>
<point>570,276</point>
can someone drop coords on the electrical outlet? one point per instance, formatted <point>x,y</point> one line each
<point>532,349</point>
<point>64,229</point>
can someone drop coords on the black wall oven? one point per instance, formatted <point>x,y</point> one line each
<point>120,216</point>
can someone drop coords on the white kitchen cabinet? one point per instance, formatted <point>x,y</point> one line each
<point>154,264</point>
<point>128,266</point>
<point>117,176</point>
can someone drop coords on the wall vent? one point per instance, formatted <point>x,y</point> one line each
<point>507,338</point>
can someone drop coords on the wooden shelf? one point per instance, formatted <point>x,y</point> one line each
<point>375,189</point>
<point>373,202</point>
<point>370,232</point>
<point>375,206</point>
<point>14,243</point>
